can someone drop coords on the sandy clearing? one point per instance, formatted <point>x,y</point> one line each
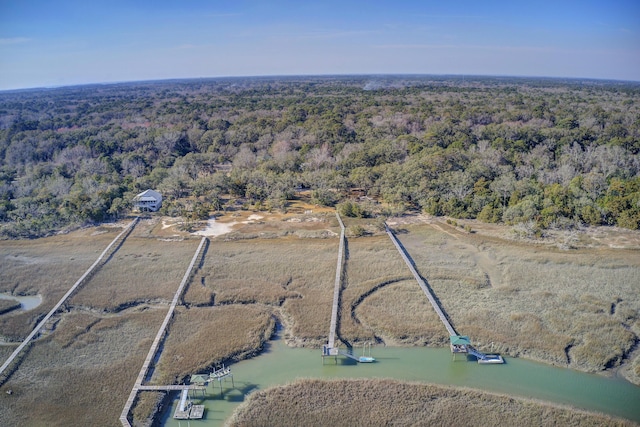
<point>166,224</point>
<point>215,228</point>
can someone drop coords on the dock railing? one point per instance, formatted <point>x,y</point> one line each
<point>337,288</point>
<point>421,282</point>
<point>124,417</point>
<point>104,256</point>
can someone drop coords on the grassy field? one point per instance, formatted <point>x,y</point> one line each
<point>8,305</point>
<point>295,275</point>
<point>144,269</point>
<point>203,337</point>
<point>48,267</point>
<point>372,267</point>
<point>388,402</point>
<point>576,308</point>
<point>81,374</point>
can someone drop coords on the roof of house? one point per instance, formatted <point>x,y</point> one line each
<point>460,340</point>
<point>148,195</point>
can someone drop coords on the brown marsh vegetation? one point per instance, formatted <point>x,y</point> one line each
<point>370,402</point>
<point>574,308</point>
<point>203,337</point>
<point>48,267</point>
<point>373,271</point>
<point>83,372</point>
<point>577,308</point>
<point>292,274</point>
<point>144,269</point>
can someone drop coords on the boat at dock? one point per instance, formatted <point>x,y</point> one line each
<point>491,359</point>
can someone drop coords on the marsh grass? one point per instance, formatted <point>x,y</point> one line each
<point>47,266</point>
<point>146,406</point>
<point>577,308</point>
<point>8,305</point>
<point>372,263</point>
<point>202,337</point>
<point>294,274</point>
<point>82,373</point>
<point>401,315</point>
<point>142,270</point>
<point>387,402</point>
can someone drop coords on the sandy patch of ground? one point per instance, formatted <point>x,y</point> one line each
<point>166,224</point>
<point>215,228</point>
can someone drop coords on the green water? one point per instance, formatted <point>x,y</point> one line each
<point>280,365</point>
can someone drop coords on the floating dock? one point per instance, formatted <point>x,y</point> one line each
<point>124,416</point>
<point>186,410</point>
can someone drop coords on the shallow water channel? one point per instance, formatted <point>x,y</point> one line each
<point>28,302</point>
<point>280,364</point>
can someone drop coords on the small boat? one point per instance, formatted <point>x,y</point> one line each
<point>367,358</point>
<point>491,358</point>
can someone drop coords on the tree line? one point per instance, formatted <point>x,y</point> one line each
<point>544,152</point>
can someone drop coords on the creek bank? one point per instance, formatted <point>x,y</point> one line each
<point>27,302</point>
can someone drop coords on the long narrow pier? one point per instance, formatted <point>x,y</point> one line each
<point>172,387</point>
<point>336,291</point>
<point>156,342</point>
<point>104,255</point>
<point>421,282</point>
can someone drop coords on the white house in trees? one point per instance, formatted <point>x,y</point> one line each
<point>147,201</point>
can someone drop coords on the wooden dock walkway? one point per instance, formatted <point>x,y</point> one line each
<point>336,291</point>
<point>156,342</point>
<point>171,387</point>
<point>113,246</point>
<point>421,282</point>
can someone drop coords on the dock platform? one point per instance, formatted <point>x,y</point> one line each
<point>186,410</point>
<point>459,343</point>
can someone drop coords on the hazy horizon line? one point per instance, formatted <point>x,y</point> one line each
<point>276,76</point>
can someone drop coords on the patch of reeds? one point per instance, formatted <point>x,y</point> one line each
<point>388,402</point>
<point>400,314</point>
<point>146,407</point>
<point>295,274</point>
<point>8,305</point>
<point>379,299</point>
<point>49,267</point>
<point>142,270</point>
<point>574,308</point>
<point>202,337</point>
<point>61,383</point>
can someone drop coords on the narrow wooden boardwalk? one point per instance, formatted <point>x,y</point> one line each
<point>104,255</point>
<point>172,387</point>
<point>336,289</point>
<point>156,342</point>
<point>421,282</point>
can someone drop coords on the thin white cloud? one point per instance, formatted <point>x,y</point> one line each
<point>13,40</point>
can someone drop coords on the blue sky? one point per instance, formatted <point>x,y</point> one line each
<point>53,43</point>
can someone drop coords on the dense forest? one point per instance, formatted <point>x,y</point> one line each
<point>546,153</point>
